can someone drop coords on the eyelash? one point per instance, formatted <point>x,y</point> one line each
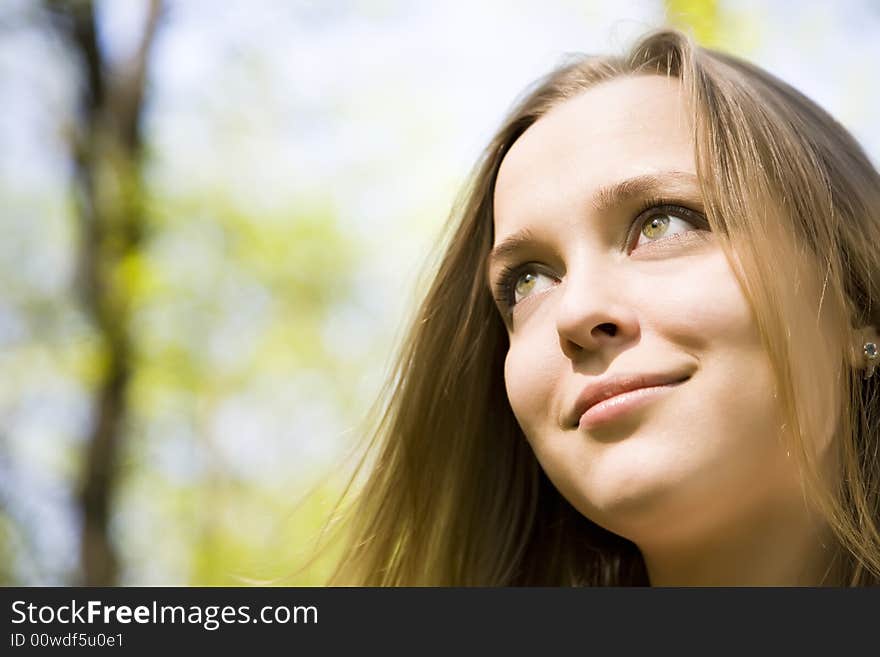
<point>509,274</point>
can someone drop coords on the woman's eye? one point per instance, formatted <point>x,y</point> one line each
<point>517,283</point>
<point>660,225</point>
<point>528,282</point>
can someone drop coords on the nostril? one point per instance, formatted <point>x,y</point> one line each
<point>608,328</point>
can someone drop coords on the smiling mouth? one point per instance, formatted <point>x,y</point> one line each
<point>616,406</point>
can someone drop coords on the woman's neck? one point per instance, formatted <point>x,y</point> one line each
<point>777,549</point>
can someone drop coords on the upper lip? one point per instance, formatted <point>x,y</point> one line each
<point>602,389</point>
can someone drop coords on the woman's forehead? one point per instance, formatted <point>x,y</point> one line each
<point>615,131</point>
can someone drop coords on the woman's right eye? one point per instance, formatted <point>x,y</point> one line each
<point>515,284</point>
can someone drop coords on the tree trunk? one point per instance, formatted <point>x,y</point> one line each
<point>108,188</point>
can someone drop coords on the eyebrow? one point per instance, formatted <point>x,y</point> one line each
<point>605,198</point>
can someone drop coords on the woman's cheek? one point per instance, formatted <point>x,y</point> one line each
<point>530,374</point>
<point>702,304</point>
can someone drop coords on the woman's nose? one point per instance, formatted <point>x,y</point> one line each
<point>593,315</point>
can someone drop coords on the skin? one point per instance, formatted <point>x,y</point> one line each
<point>699,477</point>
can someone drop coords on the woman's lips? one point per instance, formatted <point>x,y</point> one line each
<point>616,406</point>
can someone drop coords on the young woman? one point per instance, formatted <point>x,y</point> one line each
<point>646,356</point>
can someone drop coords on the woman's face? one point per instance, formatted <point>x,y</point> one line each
<point>616,283</point>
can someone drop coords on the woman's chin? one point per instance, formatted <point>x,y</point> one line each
<point>636,501</point>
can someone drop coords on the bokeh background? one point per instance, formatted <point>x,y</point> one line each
<point>215,219</point>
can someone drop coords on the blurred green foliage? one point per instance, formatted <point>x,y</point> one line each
<point>701,17</point>
<point>297,265</point>
<point>237,404</point>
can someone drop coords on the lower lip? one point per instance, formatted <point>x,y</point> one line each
<point>616,407</point>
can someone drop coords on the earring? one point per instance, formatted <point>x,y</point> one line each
<point>871,353</point>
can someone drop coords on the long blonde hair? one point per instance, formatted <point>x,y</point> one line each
<point>454,494</point>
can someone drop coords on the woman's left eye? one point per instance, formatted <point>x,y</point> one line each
<point>665,222</point>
